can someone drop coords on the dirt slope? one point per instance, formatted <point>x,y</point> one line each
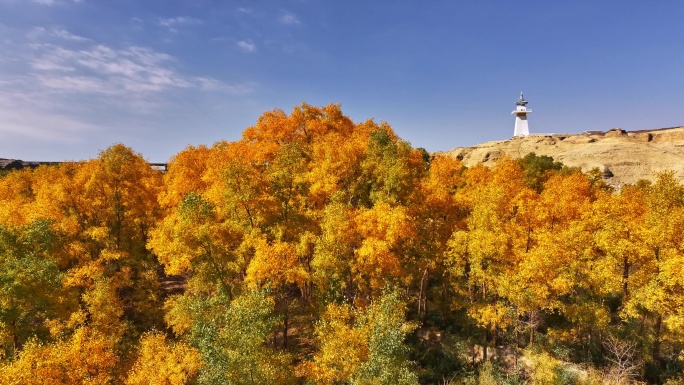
<point>628,156</point>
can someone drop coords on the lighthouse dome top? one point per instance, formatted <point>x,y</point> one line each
<point>521,101</point>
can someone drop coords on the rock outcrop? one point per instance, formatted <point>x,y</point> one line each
<point>624,157</point>
<point>15,164</point>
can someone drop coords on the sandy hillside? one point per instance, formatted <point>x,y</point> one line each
<point>627,156</point>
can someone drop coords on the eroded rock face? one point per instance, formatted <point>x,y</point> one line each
<point>615,133</point>
<point>629,156</point>
<point>15,164</point>
<point>11,164</point>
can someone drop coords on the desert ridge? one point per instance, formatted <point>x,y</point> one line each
<point>623,156</point>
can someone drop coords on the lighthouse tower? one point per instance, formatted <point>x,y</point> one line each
<point>521,111</point>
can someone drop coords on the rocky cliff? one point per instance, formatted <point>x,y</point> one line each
<point>625,157</point>
<point>15,164</point>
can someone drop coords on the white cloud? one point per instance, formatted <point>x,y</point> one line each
<point>81,84</point>
<point>289,18</point>
<point>45,126</point>
<point>172,23</point>
<point>49,65</point>
<point>49,2</point>
<point>64,34</point>
<point>247,45</point>
<point>210,84</point>
<point>106,70</point>
<point>58,88</point>
<point>30,113</point>
<point>36,33</point>
<point>56,32</point>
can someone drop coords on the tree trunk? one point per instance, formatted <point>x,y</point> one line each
<point>516,337</point>
<point>286,324</point>
<point>421,302</point>
<point>656,341</point>
<point>15,339</point>
<point>625,277</point>
<point>533,325</point>
<point>484,347</point>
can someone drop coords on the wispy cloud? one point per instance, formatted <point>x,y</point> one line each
<point>47,126</point>
<point>106,70</point>
<point>247,45</point>
<point>51,2</point>
<point>289,18</point>
<point>103,69</point>
<point>47,64</point>
<point>173,23</point>
<point>64,34</point>
<point>70,81</point>
<point>210,84</point>
<point>57,32</point>
<point>30,112</point>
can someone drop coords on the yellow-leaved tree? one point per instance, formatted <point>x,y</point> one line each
<point>161,362</point>
<point>655,297</point>
<point>362,346</point>
<point>87,357</point>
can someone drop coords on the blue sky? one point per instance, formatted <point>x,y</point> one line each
<point>157,75</point>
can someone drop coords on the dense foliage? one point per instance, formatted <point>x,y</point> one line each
<point>319,250</point>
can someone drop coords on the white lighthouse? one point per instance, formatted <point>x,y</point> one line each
<point>521,111</point>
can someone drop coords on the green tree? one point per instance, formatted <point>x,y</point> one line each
<point>362,346</point>
<point>231,337</point>
<point>538,169</point>
<point>386,328</point>
<point>31,290</point>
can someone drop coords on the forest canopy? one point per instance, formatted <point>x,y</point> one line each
<point>317,250</point>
